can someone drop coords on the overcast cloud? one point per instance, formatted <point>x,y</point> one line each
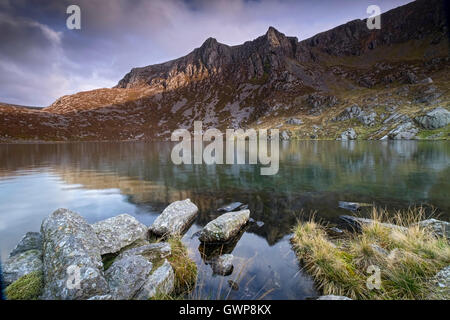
<point>41,60</point>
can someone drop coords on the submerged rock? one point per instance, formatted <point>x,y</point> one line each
<point>21,264</point>
<point>118,232</point>
<point>161,281</point>
<point>231,207</point>
<point>126,276</point>
<point>333,297</point>
<point>30,241</point>
<point>71,258</point>
<point>222,265</point>
<point>175,218</point>
<point>352,206</point>
<point>225,227</point>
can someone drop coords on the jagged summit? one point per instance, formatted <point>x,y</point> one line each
<point>318,87</point>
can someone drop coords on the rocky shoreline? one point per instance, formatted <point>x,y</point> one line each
<point>122,259</point>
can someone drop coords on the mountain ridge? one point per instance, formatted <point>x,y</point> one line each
<point>273,81</point>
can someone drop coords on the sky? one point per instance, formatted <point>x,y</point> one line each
<point>42,60</point>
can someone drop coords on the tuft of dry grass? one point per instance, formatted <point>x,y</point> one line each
<point>406,257</point>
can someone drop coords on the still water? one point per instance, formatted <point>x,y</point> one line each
<point>100,180</point>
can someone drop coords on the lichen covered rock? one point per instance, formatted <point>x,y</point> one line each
<point>30,241</point>
<point>118,232</point>
<point>161,281</point>
<point>225,227</point>
<point>175,218</point>
<point>71,258</point>
<point>22,264</point>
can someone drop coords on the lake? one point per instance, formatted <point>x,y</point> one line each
<point>100,180</point>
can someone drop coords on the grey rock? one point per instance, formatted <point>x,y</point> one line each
<point>118,232</point>
<point>442,278</point>
<point>438,227</point>
<point>284,135</point>
<point>30,241</point>
<point>231,207</point>
<point>336,231</point>
<point>222,265</point>
<point>405,131</point>
<point>368,119</point>
<point>434,119</point>
<point>152,251</point>
<point>21,264</point>
<point>410,77</point>
<point>357,223</point>
<point>71,251</point>
<point>104,297</point>
<point>175,218</point>
<point>161,281</point>
<point>348,113</point>
<point>333,297</point>
<point>294,121</point>
<point>353,206</point>
<point>379,250</point>
<point>225,226</point>
<point>348,134</point>
<point>127,276</point>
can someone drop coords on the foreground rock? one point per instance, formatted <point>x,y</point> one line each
<point>30,241</point>
<point>434,119</point>
<point>441,283</point>
<point>71,258</point>
<point>225,227</point>
<point>21,264</point>
<point>357,223</point>
<point>152,251</point>
<point>222,265</point>
<point>175,218</point>
<point>333,297</point>
<point>118,232</point>
<point>161,281</point>
<point>127,276</point>
<point>438,227</point>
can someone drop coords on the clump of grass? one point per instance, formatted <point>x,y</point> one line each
<point>407,257</point>
<point>28,287</point>
<point>183,266</point>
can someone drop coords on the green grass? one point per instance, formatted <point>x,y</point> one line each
<point>28,287</point>
<point>407,259</point>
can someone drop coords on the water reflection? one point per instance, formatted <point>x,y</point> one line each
<point>100,180</point>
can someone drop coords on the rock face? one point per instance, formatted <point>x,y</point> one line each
<point>438,227</point>
<point>21,264</point>
<point>117,232</point>
<point>225,227</point>
<point>126,276</point>
<point>30,241</point>
<point>175,218</point>
<point>434,119</point>
<point>72,261</point>
<point>405,131</point>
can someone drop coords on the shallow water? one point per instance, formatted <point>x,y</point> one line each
<point>100,180</point>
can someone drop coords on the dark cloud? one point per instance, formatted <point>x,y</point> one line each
<point>41,60</point>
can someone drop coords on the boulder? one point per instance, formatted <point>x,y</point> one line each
<point>231,207</point>
<point>30,241</point>
<point>405,131</point>
<point>161,281</point>
<point>434,119</point>
<point>368,118</point>
<point>118,232</point>
<point>333,297</point>
<point>225,227</point>
<point>175,219</point>
<point>356,222</point>
<point>222,265</point>
<point>438,227</point>
<point>71,258</point>
<point>21,264</point>
<point>126,276</point>
<point>348,113</point>
<point>348,134</point>
<point>284,135</point>
<point>442,280</point>
<point>159,250</point>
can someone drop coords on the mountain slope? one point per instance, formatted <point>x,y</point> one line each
<point>374,82</point>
